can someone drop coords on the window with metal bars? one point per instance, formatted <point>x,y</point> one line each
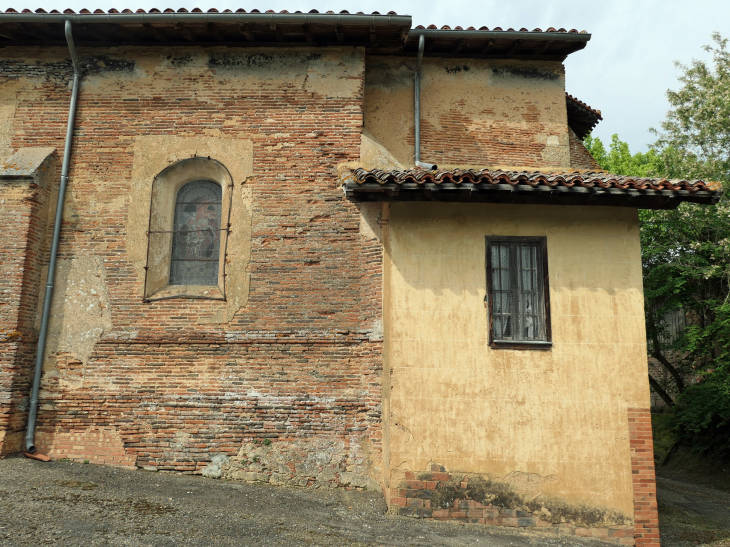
<point>517,292</point>
<point>196,237</point>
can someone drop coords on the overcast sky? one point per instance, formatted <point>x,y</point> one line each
<point>624,71</point>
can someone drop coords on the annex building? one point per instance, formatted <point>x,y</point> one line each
<point>325,250</point>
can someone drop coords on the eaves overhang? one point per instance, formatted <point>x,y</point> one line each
<point>492,186</point>
<point>552,44</point>
<point>183,28</point>
<point>581,117</point>
<point>388,34</point>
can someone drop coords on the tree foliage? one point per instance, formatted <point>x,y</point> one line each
<point>618,158</point>
<point>686,251</point>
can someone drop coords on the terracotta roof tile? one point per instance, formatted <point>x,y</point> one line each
<point>485,185</point>
<point>114,11</point>
<point>569,97</point>
<point>586,179</point>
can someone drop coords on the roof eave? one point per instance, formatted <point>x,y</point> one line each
<point>525,194</point>
<point>283,18</point>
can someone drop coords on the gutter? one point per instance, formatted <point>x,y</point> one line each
<point>417,100</point>
<point>272,18</point>
<point>43,335</point>
<point>498,35</point>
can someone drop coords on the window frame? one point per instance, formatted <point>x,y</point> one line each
<point>165,188</point>
<point>545,344</point>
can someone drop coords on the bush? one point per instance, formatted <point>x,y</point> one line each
<point>702,415</point>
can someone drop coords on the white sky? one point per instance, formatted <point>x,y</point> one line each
<point>624,71</point>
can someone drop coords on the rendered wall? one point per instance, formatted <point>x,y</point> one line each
<point>548,428</point>
<point>474,113</point>
<point>294,355</point>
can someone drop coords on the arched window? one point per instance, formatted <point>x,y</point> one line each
<point>196,234</point>
<point>190,214</point>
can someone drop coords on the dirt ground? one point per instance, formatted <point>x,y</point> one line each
<point>72,504</point>
<point>692,514</point>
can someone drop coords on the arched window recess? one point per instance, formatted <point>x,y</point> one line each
<point>187,236</point>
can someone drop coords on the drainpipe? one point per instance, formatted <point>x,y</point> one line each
<point>33,412</point>
<point>417,88</point>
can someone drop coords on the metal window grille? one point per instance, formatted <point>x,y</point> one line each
<point>517,290</point>
<point>196,237</point>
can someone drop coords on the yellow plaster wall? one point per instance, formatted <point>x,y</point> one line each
<point>557,418</point>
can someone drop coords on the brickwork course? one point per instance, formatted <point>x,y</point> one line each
<point>285,377</point>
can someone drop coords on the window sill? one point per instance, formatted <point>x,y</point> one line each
<point>521,344</point>
<point>199,292</point>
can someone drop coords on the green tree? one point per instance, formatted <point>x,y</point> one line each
<point>618,159</point>
<point>686,251</point>
<point>694,140</point>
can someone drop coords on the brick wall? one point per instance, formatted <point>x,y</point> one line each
<point>302,359</point>
<point>580,157</point>
<point>22,216</point>
<point>646,516</point>
<point>471,114</point>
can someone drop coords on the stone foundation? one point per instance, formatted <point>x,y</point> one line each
<point>318,463</point>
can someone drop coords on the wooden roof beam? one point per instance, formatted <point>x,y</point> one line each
<point>514,47</point>
<point>277,33</point>
<point>245,29</point>
<point>215,31</point>
<point>307,33</point>
<point>125,33</point>
<point>182,29</point>
<point>157,33</point>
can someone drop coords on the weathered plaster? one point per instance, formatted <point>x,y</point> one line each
<point>513,413</point>
<point>80,312</point>
<point>334,72</point>
<point>493,108</point>
<point>318,462</point>
<point>152,155</point>
<point>7,115</point>
<point>374,155</point>
<point>11,92</point>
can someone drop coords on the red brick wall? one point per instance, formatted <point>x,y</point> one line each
<point>646,517</point>
<point>21,256</point>
<point>459,141</point>
<point>302,359</point>
<point>580,157</point>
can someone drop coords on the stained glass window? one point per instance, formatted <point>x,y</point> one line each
<point>196,234</point>
<point>517,290</point>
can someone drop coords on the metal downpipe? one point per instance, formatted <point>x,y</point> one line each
<point>40,353</point>
<point>417,97</point>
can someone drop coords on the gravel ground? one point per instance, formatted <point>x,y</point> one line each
<point>691,514</point>
<point>64,503</point>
